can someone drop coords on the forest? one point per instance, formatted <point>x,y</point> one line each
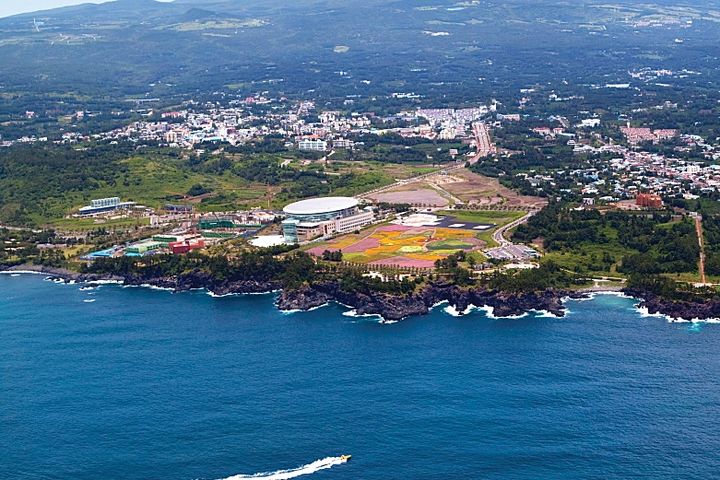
<point>634,242</point>
<point>41,183</point>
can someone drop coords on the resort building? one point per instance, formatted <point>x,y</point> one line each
<point>323,217</point>
<point>313,145</point>
<point>104,205</point>
<point>142,248</point>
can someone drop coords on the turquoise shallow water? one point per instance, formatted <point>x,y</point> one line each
<point>143,384</point>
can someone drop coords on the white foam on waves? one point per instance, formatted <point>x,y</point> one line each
<point>13,273</point>
<point>644,312</point>
<point>151,287</point>
<point>489,312</point>
<point>106,282</point>
<point>215,295</point>
<point>354,314</point>
<point>297,310</point>
<point>308,469</point>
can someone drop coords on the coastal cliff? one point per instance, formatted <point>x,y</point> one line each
<point>399,306</point>
<point>389,306</point>
<point>202,280</point>
<point>677,309</point>
<point>196,279</point>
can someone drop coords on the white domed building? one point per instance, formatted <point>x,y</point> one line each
<point>323,217</point>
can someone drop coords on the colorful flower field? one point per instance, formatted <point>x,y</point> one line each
<point>401,245</point>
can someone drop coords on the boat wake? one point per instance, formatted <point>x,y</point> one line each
<point>308,469</point>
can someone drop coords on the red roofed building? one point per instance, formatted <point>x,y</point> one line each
<point>649,200</point>
<point>186,246</point>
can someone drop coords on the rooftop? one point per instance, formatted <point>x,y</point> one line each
<point>315,206</point>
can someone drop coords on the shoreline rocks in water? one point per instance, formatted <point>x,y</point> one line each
<point>391,307</point>
<point>676,309</point>
<point>180,283</point>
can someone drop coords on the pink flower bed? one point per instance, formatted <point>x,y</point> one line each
<point>405,262</point>
<point>364,244</point>
<point>393,228</point>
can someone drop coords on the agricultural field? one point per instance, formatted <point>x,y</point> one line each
<point>413,194</point>
<point>457,187</point>
<point>401,245</point>
<point>478,190</point>
<point>419,245</point>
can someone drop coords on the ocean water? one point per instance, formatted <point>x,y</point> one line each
<point>132,383</point>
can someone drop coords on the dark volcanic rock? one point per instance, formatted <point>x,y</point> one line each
<point>302,299</point>
<point>199,279</point>
<point>388,306</point>
<point>399,306</point>
<point>686,310</point>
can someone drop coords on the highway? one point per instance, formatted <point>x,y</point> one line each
<point>483,142</point>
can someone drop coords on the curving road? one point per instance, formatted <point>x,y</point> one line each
<point>499,234</point>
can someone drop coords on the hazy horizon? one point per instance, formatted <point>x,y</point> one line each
<point>8,9</point>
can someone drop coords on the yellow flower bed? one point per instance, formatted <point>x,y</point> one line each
<point>409,243</point>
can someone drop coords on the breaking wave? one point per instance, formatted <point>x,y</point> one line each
<point>308,469</point>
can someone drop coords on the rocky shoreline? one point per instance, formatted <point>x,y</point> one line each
<point>391,307</point>
<point>676,309</point>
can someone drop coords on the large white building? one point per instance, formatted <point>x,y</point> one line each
<point>323,217</point>
<point>104,205</point>
<point>313,145</point>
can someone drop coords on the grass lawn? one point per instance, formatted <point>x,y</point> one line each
<point>154,182</point>
<point>490,217</point>
<point>688,277</point>
<point>392,171</point>
<point>84,224</point>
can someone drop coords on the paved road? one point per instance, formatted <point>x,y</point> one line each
<point>499,234</point>
<point>18,229</point>
<point>482,141</point>
<point>701,243</point>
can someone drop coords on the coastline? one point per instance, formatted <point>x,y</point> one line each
<point>391,308</point>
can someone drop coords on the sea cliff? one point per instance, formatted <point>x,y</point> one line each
<point>400,306</point>
<point>696,309</point>
<point>389,306</point>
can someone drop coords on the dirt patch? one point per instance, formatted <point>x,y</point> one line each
<point>418,196</point>
<point>474,189</point>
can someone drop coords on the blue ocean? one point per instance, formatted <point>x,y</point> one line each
<point>132,383</point>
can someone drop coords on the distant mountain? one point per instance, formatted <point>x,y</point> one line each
<point>443,49</point>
